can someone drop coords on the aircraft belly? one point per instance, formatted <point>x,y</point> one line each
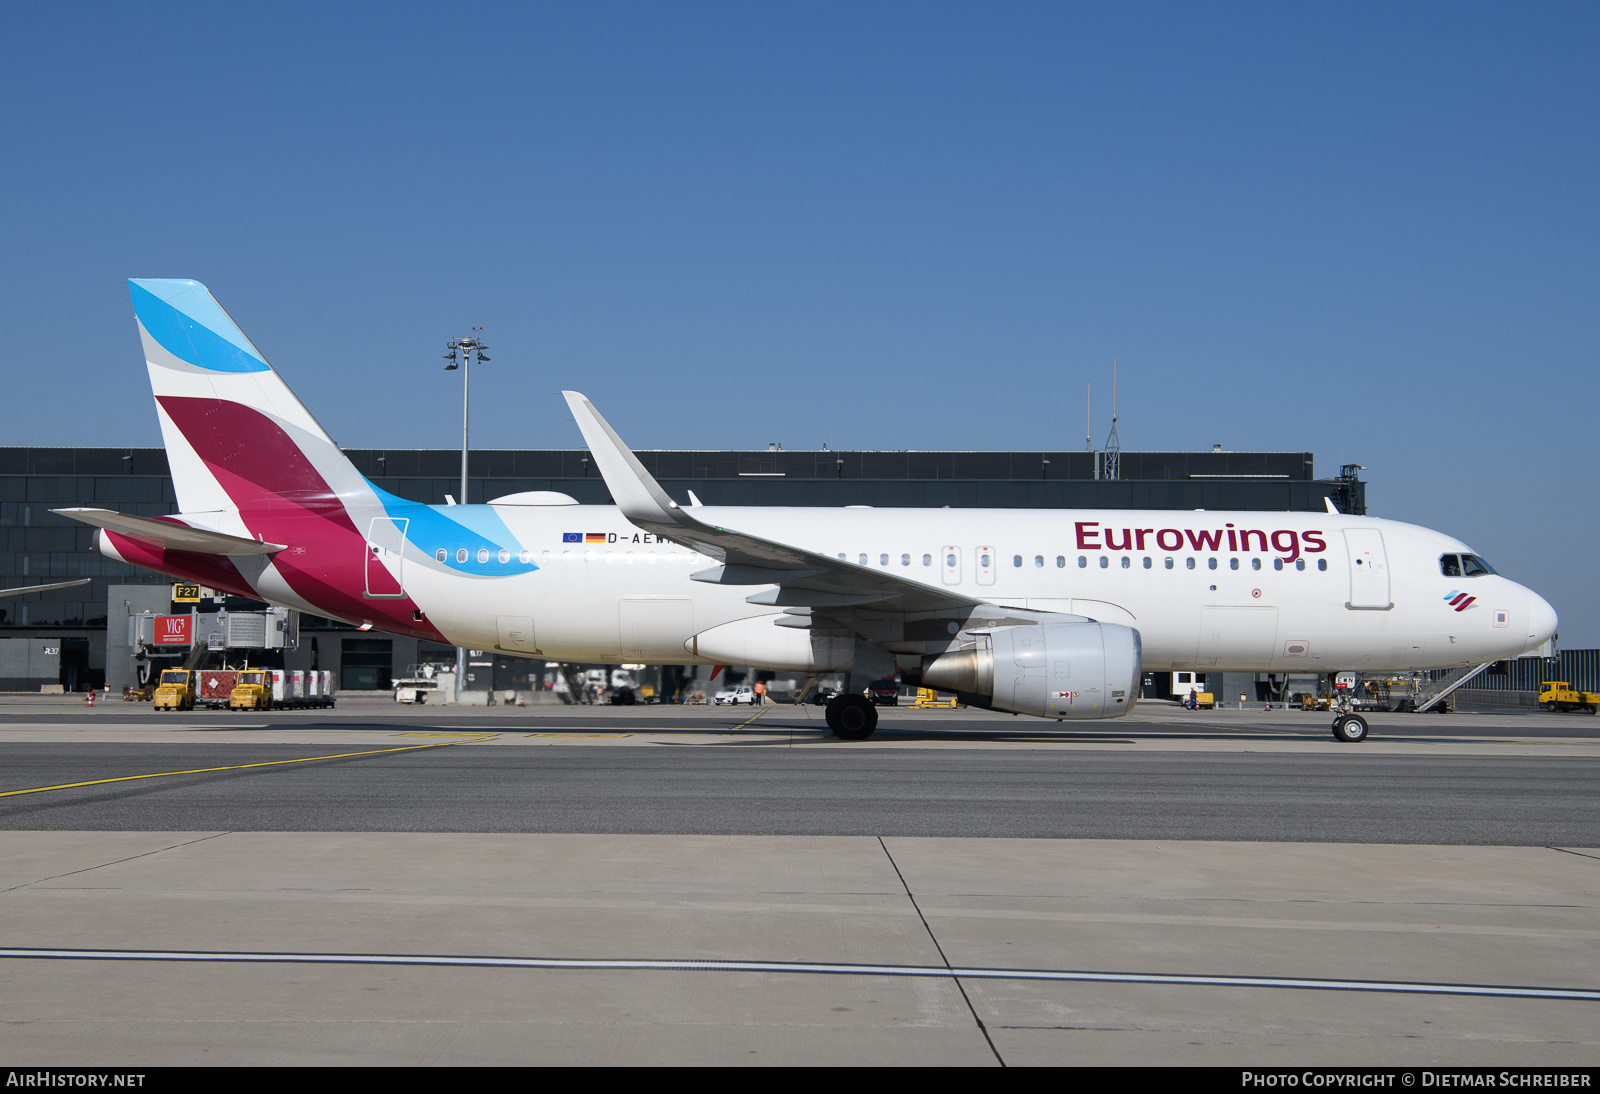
<point>1237,637</point>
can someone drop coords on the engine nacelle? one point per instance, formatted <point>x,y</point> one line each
<point>1055,670</point>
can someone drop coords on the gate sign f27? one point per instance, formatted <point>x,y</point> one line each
<point>172,630</point>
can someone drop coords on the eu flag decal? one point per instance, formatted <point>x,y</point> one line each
<point>571,537</point>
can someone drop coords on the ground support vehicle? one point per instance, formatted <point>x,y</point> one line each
<point>251,691</point>
<point>884,693</point>
<point>415,689</point>
<point>175,691</point>
<point>929,699</point>
<point>281,689</point>
<point>1559,695</point>
<point>744,693</point>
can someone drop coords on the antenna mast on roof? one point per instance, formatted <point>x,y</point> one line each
<point>1088,417</point>
<point>1112,460</point>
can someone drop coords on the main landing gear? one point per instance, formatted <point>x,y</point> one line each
<point>852,717</point>
<point>1350,728</point>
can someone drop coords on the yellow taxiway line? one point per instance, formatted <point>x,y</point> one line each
<point>236,767</point>
<point>764,708</point>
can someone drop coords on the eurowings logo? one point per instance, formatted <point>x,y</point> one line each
<point>1459,600</point>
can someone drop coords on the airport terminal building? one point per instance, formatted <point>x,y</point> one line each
<point>82,636</point>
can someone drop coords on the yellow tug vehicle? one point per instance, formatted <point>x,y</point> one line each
<point>175,691</point>
<point>251,691</point>
<point>1559,695</point>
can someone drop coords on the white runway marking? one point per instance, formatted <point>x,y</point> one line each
<point>929,971</point>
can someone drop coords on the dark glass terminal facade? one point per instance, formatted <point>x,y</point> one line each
<point>37,546</point>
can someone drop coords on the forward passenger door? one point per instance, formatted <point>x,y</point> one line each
<point>1369,570</point>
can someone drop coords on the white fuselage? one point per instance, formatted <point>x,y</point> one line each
<point>1289,592</point>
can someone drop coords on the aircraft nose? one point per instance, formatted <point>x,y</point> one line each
<point>1542,622</point>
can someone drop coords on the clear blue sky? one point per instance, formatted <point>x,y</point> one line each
<point>1369,231</point>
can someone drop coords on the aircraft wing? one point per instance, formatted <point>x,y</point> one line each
<point>806,579</point>
<point>42,588</point>
<point>171,535</point>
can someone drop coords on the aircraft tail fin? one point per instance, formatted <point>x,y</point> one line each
<point>236,436</point>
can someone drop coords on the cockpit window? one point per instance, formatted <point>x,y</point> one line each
<point>1449,565</point>
<point>1473,566</point>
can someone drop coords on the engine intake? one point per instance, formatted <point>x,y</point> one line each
<point>1055,670</point>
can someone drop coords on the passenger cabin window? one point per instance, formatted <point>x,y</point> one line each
<point>1082,561</point>
<point>905,560</point>
<point>441,554</point>
<point>1146,562</point>
<point>461,555</point>
<point>1016,560</point>
<point>1189,562</point>
<point>1322,564</point>
<point>1126,562</point>
<point>883,560</point>
<point>1038,560</point>
<point>1061,562</point>
<point>927,560</point>
<point>1105,562</point>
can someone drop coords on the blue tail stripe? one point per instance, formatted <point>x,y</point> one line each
<point>192,326</point>
<point>473,527</point>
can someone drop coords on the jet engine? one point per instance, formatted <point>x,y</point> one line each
<point>1055,670</point>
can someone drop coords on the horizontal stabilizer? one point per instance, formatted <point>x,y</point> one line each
<point>42,588</point>
<point>171,536</point>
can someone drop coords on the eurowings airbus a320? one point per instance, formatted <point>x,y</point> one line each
<point>1051,613</point>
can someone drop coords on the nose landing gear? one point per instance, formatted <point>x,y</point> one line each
<point>1350,728</point>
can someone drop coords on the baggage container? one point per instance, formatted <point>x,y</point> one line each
<point>217,684</point>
